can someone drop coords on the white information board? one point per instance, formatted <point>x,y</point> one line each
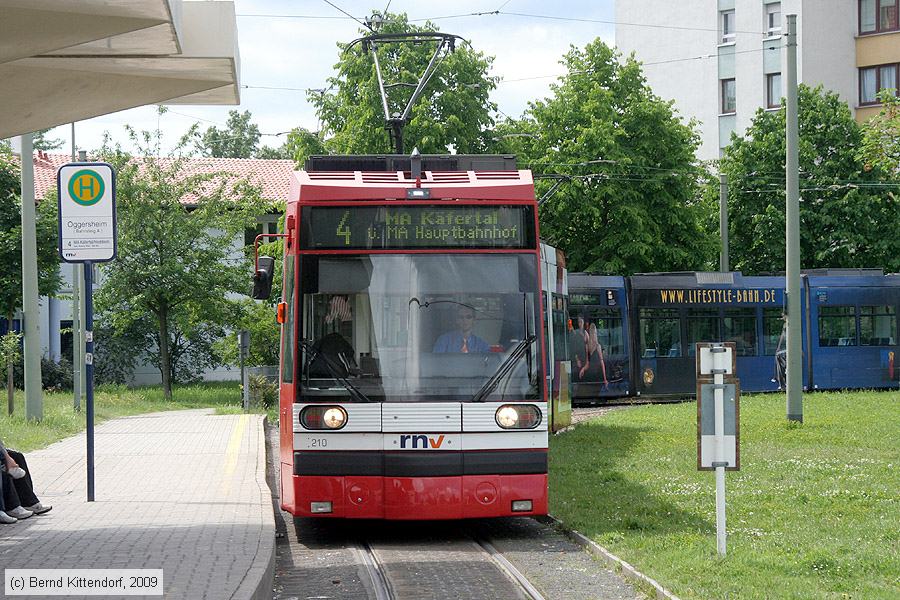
<point>718,388</point>
<point>87,212</point>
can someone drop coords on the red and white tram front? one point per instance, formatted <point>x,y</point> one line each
<point>415,389</point>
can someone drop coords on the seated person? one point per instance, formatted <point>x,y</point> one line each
<point>18,500</point>
<point>338,352</point>
<point>462,339</point>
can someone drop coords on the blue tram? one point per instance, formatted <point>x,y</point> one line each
<point>600,337</point>
<point>647,326</point>
<point>853,314</point>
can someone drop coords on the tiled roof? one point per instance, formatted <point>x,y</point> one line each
<point>273,176</point>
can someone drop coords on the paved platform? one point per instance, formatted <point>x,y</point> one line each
<point>182,491</point>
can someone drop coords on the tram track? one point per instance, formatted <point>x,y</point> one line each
<point>510,569</point>
<point>492,559</point>
<point>380,586</point>
<point>457,563</point>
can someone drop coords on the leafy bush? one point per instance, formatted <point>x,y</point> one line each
<point>115,354</point>
<point>263,391</point>
<point>54,376</point>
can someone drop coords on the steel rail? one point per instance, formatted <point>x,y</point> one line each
<point>382,587</point>
<point>508,568</point>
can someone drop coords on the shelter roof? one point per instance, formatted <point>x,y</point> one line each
<point>69,60</point>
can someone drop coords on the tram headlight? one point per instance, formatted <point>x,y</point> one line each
<point>518,416</point>
<point>323,417</point>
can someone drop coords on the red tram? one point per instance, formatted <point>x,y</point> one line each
<point>412,352</point>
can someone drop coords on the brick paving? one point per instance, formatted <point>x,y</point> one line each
<point>184,491</point>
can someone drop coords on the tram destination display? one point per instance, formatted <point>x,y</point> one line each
<point>416,227</point>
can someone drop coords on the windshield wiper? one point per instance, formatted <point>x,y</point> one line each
<point>504,369</point>
<point>334,370</point>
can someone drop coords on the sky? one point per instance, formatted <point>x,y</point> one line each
<point>300,53</point>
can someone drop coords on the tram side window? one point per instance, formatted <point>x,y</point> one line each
<point>560,328</point>
<point>702,326</point>
<point>773,325</point>
<point>609,329</point>
<point>660,333</point>
<point>287,337</point>
<point>739,326</point>
<point>837,326</point>
<point>877,325</point>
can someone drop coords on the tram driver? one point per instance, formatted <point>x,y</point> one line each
<point>462,339</point>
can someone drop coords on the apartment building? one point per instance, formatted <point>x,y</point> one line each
<point>722,60</point>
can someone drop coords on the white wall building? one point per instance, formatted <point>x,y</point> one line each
<point>722,60</point>
<point>272,176</point>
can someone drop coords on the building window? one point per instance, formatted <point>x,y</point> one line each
<point>876,16</point>
<point>773,18</point>
<point>773,90</point>
<point>875,79</point>
<point>66,343</point>
<point>729,100</point>
<point>887,15</point>
<point>727,20</point>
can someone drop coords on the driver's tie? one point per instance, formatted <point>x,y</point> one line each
<point>465,347</point>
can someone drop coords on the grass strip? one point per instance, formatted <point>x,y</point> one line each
<point>814,512</point>
<point>60,420</point>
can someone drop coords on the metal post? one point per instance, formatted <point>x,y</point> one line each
<point>719,395</point>
<point>89,373</point>
<point>82,157</point>
<point>723,222</point>
<point>243,350</point>
<point>792,268</point>
<point>34,409</point>
<point>77,338</point>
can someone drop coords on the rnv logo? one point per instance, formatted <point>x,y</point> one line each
<point>421,441</point>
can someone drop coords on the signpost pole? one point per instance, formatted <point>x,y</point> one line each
<point>719,354</point>
<point>723,222</point>
<point>89,372</point>
<point>34,401</point>
<point>243,348</point>
<point>87,234</point>
<point>77,339</point>
<point>792,225</point>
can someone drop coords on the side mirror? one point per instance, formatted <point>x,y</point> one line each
<point>262,279</point>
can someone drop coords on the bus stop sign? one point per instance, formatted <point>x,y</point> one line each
<point>87,212</point>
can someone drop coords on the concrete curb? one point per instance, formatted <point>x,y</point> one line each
<point>616,563</point>
<point>259,583</point>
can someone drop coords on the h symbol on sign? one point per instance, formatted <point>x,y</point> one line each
<point>82,188</point>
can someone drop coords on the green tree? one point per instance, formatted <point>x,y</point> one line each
<point>10,354</point>
<point>239,138</point>
<point>847,217</point>
<point>630,198</point>
<point>178,266</point>
<point>300,144</point>
<point>880,147</point>
<point>11,243</point>
<point>42,142</point>
<point>454,109</point>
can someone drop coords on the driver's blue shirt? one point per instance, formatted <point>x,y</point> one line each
<point>452,341</point>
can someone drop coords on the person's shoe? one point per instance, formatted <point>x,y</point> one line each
<point>39,508</point>
<point>19,512</point>
<point>17,472</point>
<point>5,518</point>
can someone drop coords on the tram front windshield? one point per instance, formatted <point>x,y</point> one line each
<point>419,327</point>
